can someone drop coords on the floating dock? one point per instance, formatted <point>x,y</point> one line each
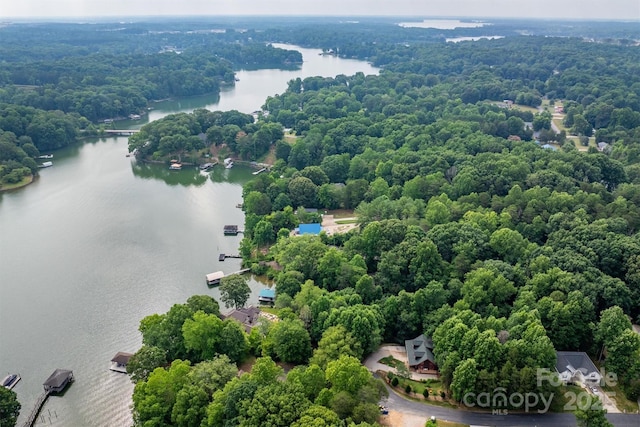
<point>213,279</point>
<point>258,171</point>
<point>119,362</point>
<point>231,230</point>
<point>222,257</point>
<point>207,166</point>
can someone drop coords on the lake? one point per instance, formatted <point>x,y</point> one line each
<point>100,241</point>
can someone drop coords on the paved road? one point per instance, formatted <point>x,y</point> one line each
<point>399,403</point>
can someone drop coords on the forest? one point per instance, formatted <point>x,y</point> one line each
<point>502,250</point>
<point>60,82</point>
<point>470,229</point>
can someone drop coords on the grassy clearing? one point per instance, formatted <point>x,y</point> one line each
<point>270,310</point>
<point>25,181</point>
<point>270,157</point>
<point>622,403</point>
<point>390,361</point>
<point>290,138</point>
<point>534,110</point>
<point>558,121</point>
<point>435,387</point>
<point>442,423</point>
<point>562,397</point>
<point>347,221</point>
<point>341,213</point>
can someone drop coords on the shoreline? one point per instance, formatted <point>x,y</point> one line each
<point>19,185</point>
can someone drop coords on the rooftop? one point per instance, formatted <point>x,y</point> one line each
<point>122,358</point>
<point>268,293</point>
<point>574,361</point>
<point>419,350</point>
<point>58,378</point>
<point>309,229</point>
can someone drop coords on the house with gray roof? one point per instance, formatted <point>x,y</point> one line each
<point>420,353</point>
<point>247,316</point>
<point>576,367</point>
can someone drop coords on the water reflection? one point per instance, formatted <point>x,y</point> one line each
<point>189,175</point>
<point>237,175</point>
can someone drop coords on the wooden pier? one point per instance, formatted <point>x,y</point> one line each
<point>222,257</point>
<point>36,409</point>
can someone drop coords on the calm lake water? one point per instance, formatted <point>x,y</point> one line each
<point>99,241</point>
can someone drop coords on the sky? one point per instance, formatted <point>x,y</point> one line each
<point>562,9</point>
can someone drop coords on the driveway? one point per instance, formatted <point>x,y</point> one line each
<point>397,352</point>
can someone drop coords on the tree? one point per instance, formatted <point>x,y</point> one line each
<point>612,323</point>
<point>311,378</point>
<point>363,322</point>
<point>190,406</point>
<point>623,355</point>
<point>202,334</point>
<point>464,379</point>
<point>303,192</point>
<point>276,405</point>
<point>265,371</point>
<point>318,416</point>
<point>233,340</point>
<point>153,399</point>
<point>335,341</point>
<point>165,331</point>
<point>203,303</point>
<point>144,361</point>
<point>592,418</point>
<point>291,342</point>
<point>9,407</point>
<point>257,203</point>
<point>263,233</point>
<point>212,375</point>
<point>509,244</point>
<point>347,374</point>
<point>234,291</point>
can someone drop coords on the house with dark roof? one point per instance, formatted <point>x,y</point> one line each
<point>247,316</point>
<point>58,381</point>
<point>576,367</point>
<point>420,354</point>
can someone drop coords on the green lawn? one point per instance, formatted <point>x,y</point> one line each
<point>347,221</point>
<point>623,404</point>
<point>25,181</point>
<point>534,110</point>
<point>341,213</point>
<point>442,423</point>
<point>390,361</point>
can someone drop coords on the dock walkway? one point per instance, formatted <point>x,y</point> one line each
<point>36,409</point>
